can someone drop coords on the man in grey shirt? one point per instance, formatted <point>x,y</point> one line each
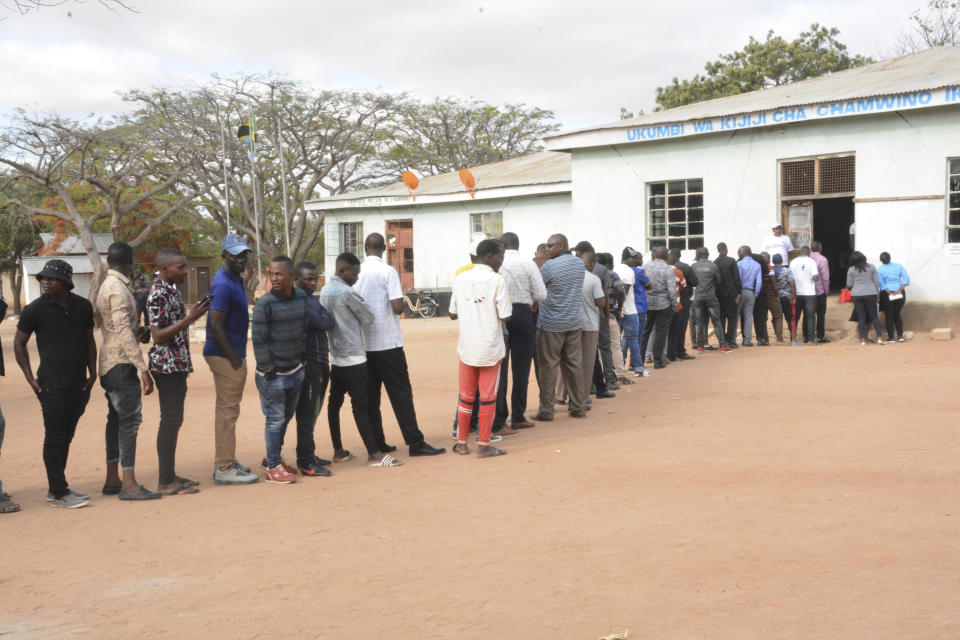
<point>661,299</point>
<point>706,303</point>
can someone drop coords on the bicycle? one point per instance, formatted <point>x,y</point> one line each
<point>426,307</point>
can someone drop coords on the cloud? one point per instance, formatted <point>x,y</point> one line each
<point>583,60</point>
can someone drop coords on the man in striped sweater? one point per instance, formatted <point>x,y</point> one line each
<point>279,335</point>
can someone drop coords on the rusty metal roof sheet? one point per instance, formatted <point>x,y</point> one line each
<point>546,167</point>
<point>925,70</point>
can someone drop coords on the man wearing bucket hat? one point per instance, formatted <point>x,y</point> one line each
<point>63,323</point>
<point>226,354</point>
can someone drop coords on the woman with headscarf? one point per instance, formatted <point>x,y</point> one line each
<point>864,287</point>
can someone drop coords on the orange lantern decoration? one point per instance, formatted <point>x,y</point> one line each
<point>412,183</point>
<point>468,181</point>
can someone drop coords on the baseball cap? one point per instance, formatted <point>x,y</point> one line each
<point>776,224</point>
<point>234,244</point>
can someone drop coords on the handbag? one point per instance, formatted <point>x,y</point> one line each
<point>845,296</point>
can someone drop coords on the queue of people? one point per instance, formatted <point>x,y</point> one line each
<point>586,326</point>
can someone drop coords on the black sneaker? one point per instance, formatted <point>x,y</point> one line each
<point>314,469</point>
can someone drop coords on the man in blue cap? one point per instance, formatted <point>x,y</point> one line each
<point>226,354</point>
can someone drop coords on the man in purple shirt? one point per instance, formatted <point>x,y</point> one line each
<point>822,287</point>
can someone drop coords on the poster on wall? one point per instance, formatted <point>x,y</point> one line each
<point>800,223</point>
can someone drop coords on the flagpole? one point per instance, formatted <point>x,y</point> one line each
<point>253,179</point>
<point>226,185</point>
<point>283,181</point>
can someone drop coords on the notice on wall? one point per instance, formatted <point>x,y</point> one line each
<point>953,253</point>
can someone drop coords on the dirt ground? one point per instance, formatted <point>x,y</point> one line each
<point>771,493</point>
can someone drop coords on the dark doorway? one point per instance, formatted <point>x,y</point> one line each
<point>832,219</point>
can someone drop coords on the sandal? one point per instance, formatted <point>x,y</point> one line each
<point>461,449</point>
<point>111,489</point>
<point>490,452</point>
<point>8,506</point>
<point>342,455</point>
<point>180,490</point>
<point>187,482</point>
<point>386,461</point>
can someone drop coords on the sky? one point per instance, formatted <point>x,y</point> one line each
<point>582,60</point>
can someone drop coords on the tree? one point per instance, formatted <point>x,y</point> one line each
<point>448,134</point>
<point>937,26</point>
<point>329,140</point>
<point>117,165</point>
<point>23,7</point>
<point>19,236</point>
<point>759,65</point>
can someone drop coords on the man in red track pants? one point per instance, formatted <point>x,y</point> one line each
<point>480,303</point>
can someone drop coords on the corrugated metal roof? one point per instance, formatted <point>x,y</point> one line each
<point>34,265</point>
<point>71,245</point>
<point>546,167</point>
<point>925,70</point>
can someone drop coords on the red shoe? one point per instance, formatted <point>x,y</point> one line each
<point>283,463</point>
<point>700,350</point>
<point>726,350</point>
<point>279,475</point>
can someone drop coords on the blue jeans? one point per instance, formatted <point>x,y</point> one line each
<point>631,339</point>
<point>278,401</point>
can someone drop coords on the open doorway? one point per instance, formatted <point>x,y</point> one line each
<point>833,220</point>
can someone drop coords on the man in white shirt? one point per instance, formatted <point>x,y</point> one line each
<point>778,243</point>
<point>480,302</point>
<point>805,275</point>
<point>629,318</point>
<point>526,290</point>
<point>379,286</point>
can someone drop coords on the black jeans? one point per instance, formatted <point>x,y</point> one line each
<point>760,318</point>
<point>599,381</point>
<point>352,380</point>
<point>61,410</point>
<point>171,391</point>
<point>521,344</point>
<point>389,368</point>
<point>821,315</point>
<point>708,310</point>
<point>866,310</point>
<point>606,353</point>
<point>659,320</point>
<point>728,318</point>
<point>124,406</point>
<point>807,307</point>
<point>677,341</point>
<point>312,391</point>
<point>891,314</point>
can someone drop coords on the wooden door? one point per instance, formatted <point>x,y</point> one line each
<point>400,250</point>
<point>203,282</point>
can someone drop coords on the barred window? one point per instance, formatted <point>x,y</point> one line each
<point>826,177</point>
<point>675,214</point>
<point>351,238</point>
<point>490,223</point>
<point>953,200</point>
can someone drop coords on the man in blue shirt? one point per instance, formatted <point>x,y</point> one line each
<point>560,329</point>
<point>752,284</point>
<point>226,354</point>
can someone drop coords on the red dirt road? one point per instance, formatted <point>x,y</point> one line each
<point>771,493</point>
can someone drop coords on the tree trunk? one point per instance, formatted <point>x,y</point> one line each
<point>16,286</point>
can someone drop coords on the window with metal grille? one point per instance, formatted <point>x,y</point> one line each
<point>835,175</point>
<point>351,237</point>
<point>797,178</point>
<point>490,223</point>
<point>675,214</point>
<point>953,200</point>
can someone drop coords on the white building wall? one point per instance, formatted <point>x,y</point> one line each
<point>441,232</point>
<point>896,157</point>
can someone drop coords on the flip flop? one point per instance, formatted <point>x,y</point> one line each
<point>8,506</point>
<point>187,482</point>
<point>386,461</point>
<point>490,452</point>
<point>343,457</point>
<point>461,449</point>
<point>183,489</point>
<point>112,489</point>
<point>142,493</point>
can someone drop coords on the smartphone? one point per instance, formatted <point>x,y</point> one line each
<point>206,299</point>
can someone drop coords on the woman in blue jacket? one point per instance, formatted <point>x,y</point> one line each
<point>893,283</point>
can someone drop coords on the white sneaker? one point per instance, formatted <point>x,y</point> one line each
<point>234,475</point>
<point>69,501</point>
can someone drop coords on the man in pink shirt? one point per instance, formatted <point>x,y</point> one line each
<point>822,287</point>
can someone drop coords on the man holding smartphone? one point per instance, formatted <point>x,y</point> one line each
<point>170,362</point>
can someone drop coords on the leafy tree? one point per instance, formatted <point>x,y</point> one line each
<point>23,7</point>
<point>114,166</point>
<point>448,134</point>
<point>19,236</point>
<point>937,26</point>
<point>762,64</point>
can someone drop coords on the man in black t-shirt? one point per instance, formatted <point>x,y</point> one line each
<point>63,322</point>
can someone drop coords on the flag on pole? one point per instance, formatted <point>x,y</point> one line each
<point>248,134</point>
